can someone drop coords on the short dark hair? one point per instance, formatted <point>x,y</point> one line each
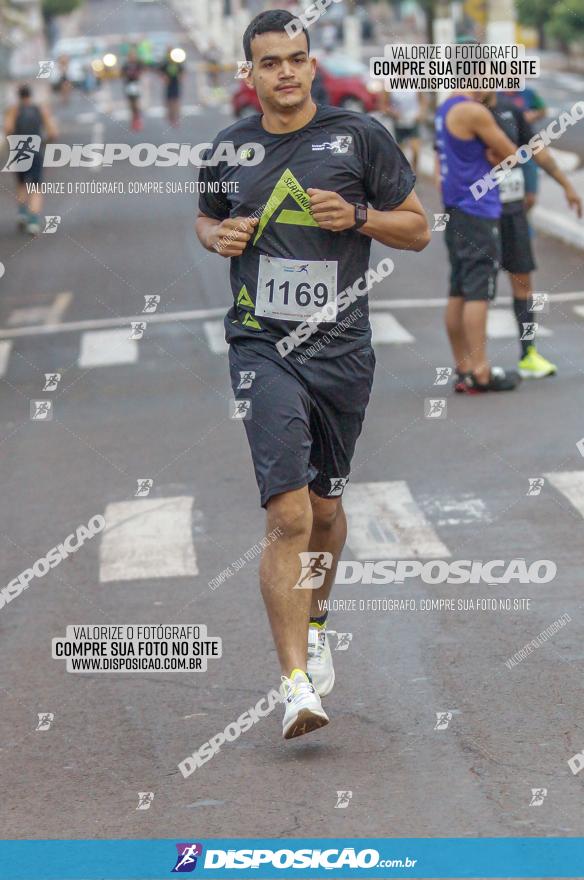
<point>264,23</point>
<point>24,91</point>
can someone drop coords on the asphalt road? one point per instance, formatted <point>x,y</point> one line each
<point>163,414</point>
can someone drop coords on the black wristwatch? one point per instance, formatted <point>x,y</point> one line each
<point>360,215</point>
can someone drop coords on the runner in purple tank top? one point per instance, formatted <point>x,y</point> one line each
<point>468,143</point>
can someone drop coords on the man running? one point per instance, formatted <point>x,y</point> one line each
<point>172,71</point>
<point>533,107</point>
<point>33,124</point>
<point>517,253</point>
<point>303,202</point>
<point>131,73</point>
<point>465,133</point>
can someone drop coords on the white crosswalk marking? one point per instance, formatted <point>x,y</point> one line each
<point>501,324</point>
<point>386,523</point>
<point>570,484</point>
<point>101,348</point>
<point>386,329</point>
<point>47,314</point>
<point>148,538</point>
<point>28,315</point>
<point>579,311</point>
<point>215,333</point>
<point>5,346</point>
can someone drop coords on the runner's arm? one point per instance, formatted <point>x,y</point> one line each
<point>437,175</point>
<point>49,124</point>
<point>546,161</point>
<point>9,120</point>
<point>481,123</point>
<point>404,227</point>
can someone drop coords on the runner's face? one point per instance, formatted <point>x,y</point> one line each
<point>282,72</point>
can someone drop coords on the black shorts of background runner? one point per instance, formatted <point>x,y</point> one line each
<point>517,253</point>
<point>406,132</point>
<point>35,172</point>
<point>305,419</point>
<point>172,89</point>
<point>474,250</point>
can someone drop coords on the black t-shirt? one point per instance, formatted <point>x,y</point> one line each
<point>132,70</point>
<point>173,70</point>
<point>338,150</point>
<point>511,119</point>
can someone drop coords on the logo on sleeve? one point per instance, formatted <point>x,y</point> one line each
<point>340,145</point>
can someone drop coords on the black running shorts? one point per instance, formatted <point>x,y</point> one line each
<point>302,421</point>
<point>474,251</point>
<point>516,244</point>
<point>34,173</point>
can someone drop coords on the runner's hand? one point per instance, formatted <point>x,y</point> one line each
<point>491,156</point>
<point>573,199</point>
<point>230,237</point>
<point>330,210</point>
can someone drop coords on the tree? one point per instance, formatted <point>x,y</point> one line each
<point>536,14</point>
<point>567,21</point>
<point>51,8</point>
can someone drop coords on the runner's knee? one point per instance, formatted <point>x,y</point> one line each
<point>325,511</point>
<point>291,513</point>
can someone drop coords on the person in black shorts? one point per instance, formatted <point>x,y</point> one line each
<point>132,71</point>
<point>30,124</point>
<point>172,71</point>
<point>298,232</point>
<point>467,137</point>
<point>517,252</point>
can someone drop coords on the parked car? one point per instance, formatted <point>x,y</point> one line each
<point>346,81</point>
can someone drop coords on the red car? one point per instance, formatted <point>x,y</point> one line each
<point>346,81</point>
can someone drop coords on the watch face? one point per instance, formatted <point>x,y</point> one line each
<point>360,213</point>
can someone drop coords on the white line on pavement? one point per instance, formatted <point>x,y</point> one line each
<point>28,315</point>
<point>5,347</point>
<point>386,523</point>
<point>215,333</point>
<point>57,309</point>
<point>202,314</point>
<point>570,484</point>
<point>440,302</point>
<point>385,329</point>
<point>102,348</point>
<point>455,511</point>
<point>503,325</point>
<point>96,323</point>
<point>148,538</point>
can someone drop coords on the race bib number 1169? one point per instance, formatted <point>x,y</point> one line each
<point>293,290</point>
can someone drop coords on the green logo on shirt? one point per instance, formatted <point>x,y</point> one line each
<point>286,186</point>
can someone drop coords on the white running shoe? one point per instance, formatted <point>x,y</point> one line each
<point>320,660</point>
<point>303,710</point>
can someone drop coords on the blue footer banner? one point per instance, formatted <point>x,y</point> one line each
<point>336,858</point>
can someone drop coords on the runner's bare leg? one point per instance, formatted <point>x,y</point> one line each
<point>456,334</point>
<point>329,533</point>
<point>288,609</point>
